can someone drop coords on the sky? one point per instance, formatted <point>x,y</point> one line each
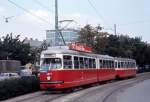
<point>132,17</point>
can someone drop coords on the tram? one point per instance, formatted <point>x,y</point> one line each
<point>76,65</point>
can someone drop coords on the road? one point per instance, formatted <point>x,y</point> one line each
<point>111,92</point>
<point>138,93</point>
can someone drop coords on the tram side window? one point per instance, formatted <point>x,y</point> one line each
<point>81,62</point>
<point>108,64</point>
<point>128,64</point>
<point>76,63</point>
<point>90,63</point>
<point>94,63</point>
<point>86,62</point>
<point>131,64</point>
<point>125,64</point>
<point>104,63</point>
<point>119,64</point>
<point>100,64</point>
<point>134,64</point>
<point>116,65</point>
<point>67,62</point>
<point>112,64</point>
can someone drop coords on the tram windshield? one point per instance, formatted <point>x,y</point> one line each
<point>50,63</point>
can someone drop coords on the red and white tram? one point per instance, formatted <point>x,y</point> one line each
<point>63,68</point>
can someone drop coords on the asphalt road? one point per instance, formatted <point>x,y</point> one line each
<point>138,93</point>
<point>118,91</point>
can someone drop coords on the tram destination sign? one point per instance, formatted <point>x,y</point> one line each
<point>80,47</point>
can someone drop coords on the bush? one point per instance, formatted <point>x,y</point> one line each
<point>18,86</point>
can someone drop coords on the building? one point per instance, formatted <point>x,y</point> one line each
<point>9,66</point>
<point>69,35</point>
<point>33,43</point>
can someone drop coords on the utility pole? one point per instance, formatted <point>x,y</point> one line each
<point>56,24</point>
<point>115,29</point>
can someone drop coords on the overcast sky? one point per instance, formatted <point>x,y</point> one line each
<point>131,16</point>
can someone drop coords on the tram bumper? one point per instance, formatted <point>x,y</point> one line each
<point>52,85</point>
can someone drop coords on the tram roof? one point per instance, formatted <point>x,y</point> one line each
<point>66,50</point>
<point>123,59</point>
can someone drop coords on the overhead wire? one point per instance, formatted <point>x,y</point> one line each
<point>96,11</point>
<point>29,12</point>
<point>135,22</point>
<point>42,5</point>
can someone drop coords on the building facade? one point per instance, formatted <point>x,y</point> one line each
<point>69,35</point>
<point>34,43</point>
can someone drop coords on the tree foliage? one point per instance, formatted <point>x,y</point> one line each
<point>115,45</point>
<point>15,49</point>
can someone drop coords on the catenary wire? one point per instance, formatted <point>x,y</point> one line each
<point>96,11</point>
<point>42,5</point>
<point>40,18</point>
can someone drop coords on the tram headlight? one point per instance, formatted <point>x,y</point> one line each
<point>48,76</point>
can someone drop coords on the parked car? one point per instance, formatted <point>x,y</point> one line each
<point>4,76</point>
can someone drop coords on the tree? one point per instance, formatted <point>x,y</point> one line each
<point>87,35</point>
<point>115,45</point>
<point>94,38</point>
<point>15,49</point>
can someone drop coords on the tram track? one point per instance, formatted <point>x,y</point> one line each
<point>36,97</point>
<point>98,93</point>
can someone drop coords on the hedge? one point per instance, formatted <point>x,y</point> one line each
<point>18,86</point>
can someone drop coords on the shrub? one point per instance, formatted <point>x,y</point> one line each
<point>18,86</point>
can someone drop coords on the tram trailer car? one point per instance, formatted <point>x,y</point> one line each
<point>62,68</point>
<point>125,68</point>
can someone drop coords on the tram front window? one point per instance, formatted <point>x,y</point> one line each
<point>51,63</point>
